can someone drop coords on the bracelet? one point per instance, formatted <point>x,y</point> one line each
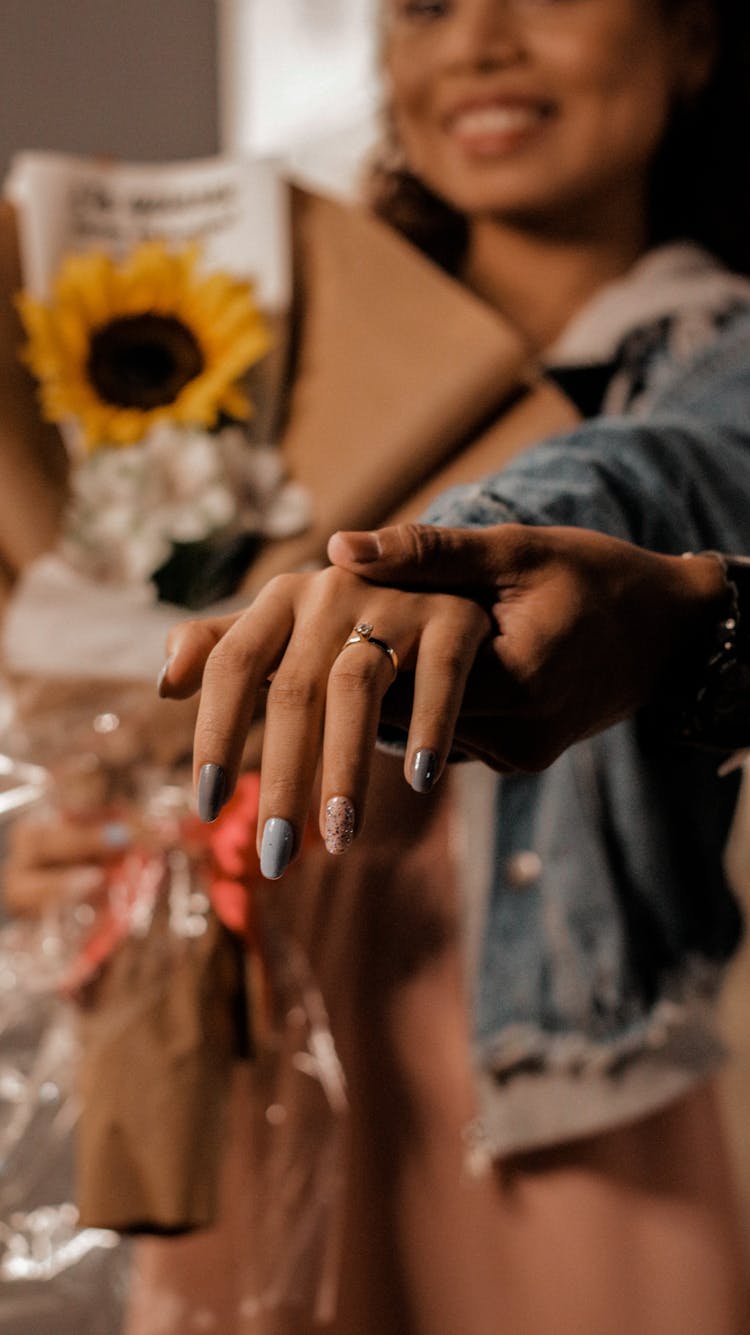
<point>715,709</point>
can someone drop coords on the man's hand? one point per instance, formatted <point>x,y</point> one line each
<point>586,626</point>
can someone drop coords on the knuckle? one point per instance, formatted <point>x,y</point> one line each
<point>295,587</point>
<point>293,691</point>
<point>478,620</point>
<point>213,737</point>
<point>194,637</point>
<point>430,721</point>
<point>351,678</point>
<point>285,587</point>
<point>327,589</point>
<point>532,677</point>
<point>329,578</point>
<point>281,796</point>
<point>526,546</point>
<point>233,656</point>
<point>192,628</point>
<point>188,634</point>
<point>527,670</point>
<point>417,540</point>
<point>451,663</point>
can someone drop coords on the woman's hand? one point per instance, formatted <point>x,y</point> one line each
<point>325,697</point>
<point>57,861</point>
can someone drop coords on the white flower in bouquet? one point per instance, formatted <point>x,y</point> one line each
<point>130,507</point>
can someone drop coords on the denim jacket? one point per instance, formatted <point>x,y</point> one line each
<point>606,916</point>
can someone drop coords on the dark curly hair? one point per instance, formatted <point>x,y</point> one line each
<point>700,183</point>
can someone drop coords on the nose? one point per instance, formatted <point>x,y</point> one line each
<point>485,34</point>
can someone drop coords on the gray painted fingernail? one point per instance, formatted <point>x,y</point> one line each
<point>276,847</point>
<point>423,771</point>
<point>212,787</point>
<point>339,824</point>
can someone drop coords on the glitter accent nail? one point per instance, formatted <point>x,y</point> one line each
<point>339,824</point>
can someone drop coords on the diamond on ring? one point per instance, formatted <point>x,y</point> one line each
<point>362,634</point>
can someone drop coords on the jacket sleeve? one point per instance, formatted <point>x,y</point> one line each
<point>673,480</point>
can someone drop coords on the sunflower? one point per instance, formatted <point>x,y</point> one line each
<point>120,348</point>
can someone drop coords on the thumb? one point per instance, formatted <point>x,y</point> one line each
<point>420,554</point>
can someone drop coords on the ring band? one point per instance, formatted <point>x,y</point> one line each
<point>362,634</point>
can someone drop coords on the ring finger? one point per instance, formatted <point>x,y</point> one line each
<point>359,679</point>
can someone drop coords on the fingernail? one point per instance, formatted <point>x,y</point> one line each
<point>212,786</point>
<point>423,771</point>
<point>116,834</point>
<point>163,674</point>
<point>339,824</point>
<point>364,547</point>
<point>276,847</point>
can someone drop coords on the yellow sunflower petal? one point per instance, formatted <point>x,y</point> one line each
<point>236,403</point>
<point>84,283</point>
<point>91,292</point>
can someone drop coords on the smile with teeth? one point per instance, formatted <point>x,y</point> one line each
<point>480,122</point>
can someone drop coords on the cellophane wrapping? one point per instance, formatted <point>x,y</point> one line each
<point>125,1019</point>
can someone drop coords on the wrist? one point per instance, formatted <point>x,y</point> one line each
<point>711,705</point>
<point>704,584</point>
<point>698,597</point>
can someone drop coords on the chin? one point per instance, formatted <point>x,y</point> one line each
<point>482,201</point>
<point>502,192</point>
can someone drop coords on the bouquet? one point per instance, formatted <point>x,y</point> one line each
<point>159,357</point>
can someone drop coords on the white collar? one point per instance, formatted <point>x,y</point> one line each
<point>666,281</point>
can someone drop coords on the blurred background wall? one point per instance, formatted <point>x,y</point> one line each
<point>164,79</point>
<point>134,78</point>
<point>299,81</point>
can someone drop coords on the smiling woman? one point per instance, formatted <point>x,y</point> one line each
<point>587,92</point>
<point>577,100</point>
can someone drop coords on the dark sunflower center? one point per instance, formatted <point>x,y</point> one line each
<point>143,361</point>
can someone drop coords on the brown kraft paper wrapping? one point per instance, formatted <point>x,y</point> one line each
<point>159,1031</point>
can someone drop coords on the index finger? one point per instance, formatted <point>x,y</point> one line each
<point>188,647</point>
